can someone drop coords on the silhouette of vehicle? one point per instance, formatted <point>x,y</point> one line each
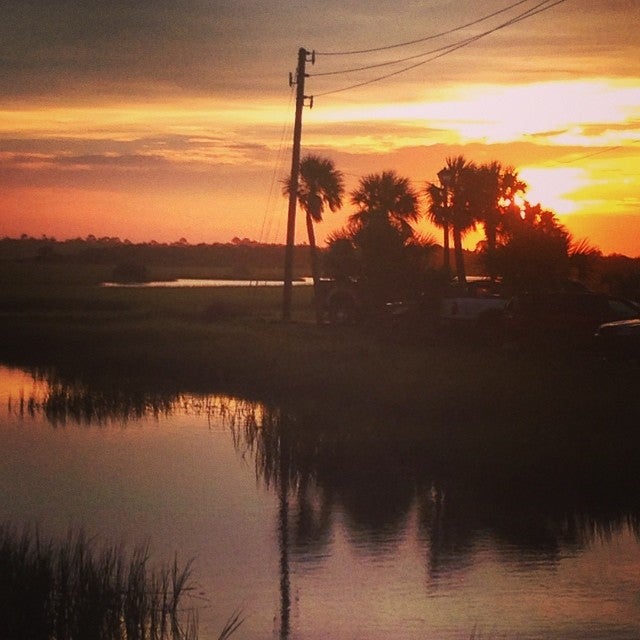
<point>567,318</point>
<point>341,302</point>
<point>619,341</point>
<point>475,307</point>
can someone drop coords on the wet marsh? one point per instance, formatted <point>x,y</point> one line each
<point>308,527</point>
<point>407,466</point>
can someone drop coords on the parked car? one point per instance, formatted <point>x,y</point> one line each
<point>475,307</point>
<point>619,341</point>
<point>564,318</point>
<point>340,301</point>
<point>472,310</point>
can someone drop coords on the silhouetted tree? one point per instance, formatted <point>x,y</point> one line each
<point>386,198</point>
<point>458,178</point>
<point>320,186</point>
<point>382,233</point>
<point>535,250</point>
<point>620,275</point>
<point>493,198</point>
<point>583,259</point>
<point>494,194</point>
<point>439,214</point>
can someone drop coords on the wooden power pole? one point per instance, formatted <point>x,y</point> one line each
<point>293,182</point>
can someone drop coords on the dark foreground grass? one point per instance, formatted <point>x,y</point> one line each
<point>73,590</point>
<point>535,423</point>
<point>523,408</point>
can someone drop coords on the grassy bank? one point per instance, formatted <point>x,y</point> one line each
<point>71,589</point>
<point>501,403</point>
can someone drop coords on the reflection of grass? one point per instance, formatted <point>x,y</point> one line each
<point>72,590</point>
<point>474,404</point>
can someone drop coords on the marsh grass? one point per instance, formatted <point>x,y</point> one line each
<point>504,406</point>
<point>75,590</point>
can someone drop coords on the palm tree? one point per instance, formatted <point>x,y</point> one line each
<point>388,199</point>
<point>583,258</point>
<point>320,186</point>
<point>488,199</point>
<point>439,214</point>
<point>381,230</point>
<point>493,196</point>
<point>457,178</point>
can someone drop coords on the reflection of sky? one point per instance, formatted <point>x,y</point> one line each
<point>192,282</point>
<point>178,480</point>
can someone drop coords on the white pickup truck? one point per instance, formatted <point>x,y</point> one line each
<point>476,305</point>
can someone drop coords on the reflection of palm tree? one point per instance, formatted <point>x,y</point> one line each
<point>283,538</point>
<point>320,186</point>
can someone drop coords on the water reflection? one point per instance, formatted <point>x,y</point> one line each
<point>63,401</point>
<point>377,482</point>
<point>380,484</point>
<point>380,491</point>
<point>374,482</point>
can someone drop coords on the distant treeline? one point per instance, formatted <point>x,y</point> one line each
<point>239,253</point>
<point>244,258</point>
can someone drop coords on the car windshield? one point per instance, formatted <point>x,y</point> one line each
<point>624,309</point>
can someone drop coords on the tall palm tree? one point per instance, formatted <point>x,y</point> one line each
<point>439,214</point>
<point>388,199</point>
<point>320,186</point>
<point>381,230</point>
<point>487,196</point>
<point>494,190</point>
<point>458,177</point>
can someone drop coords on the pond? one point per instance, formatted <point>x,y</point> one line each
<point>311,535</point>
<point>179,283</point>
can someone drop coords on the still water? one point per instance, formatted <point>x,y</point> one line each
<point>180,283</point>
<point>311,540</point>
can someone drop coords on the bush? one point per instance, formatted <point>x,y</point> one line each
<point>129,272</point>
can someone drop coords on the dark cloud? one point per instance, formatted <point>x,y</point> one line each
<point>102,45</point>
<point>120,161</point>
<point>91,47</point>
<point>75,147</point>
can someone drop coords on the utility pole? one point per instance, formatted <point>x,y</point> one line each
<point>293,181</point>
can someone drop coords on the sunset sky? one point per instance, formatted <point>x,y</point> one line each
<point>166,119</point>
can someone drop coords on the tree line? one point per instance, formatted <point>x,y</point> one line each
<point>524,244</point>
<point>239,258</point>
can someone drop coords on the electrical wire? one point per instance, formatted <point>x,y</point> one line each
<point>597,153</point>
<point>432,37</point>
<point>267,218</point>
<point>539,8</point>
<point>469,40</point>
<point>381,64</point>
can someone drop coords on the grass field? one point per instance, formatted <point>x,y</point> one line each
<point>550,432</point>
<point>518,407</point>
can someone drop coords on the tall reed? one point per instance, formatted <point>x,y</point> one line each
<point>75,590</point>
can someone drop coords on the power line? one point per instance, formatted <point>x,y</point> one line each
<point>469,40</point>
<point>597,153</point>
<point>267,219</point>
<point>432,37</point>
<point>539,8</point>
<point>383,64</point>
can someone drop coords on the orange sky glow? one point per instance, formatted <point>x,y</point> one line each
<point>185,133</point>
